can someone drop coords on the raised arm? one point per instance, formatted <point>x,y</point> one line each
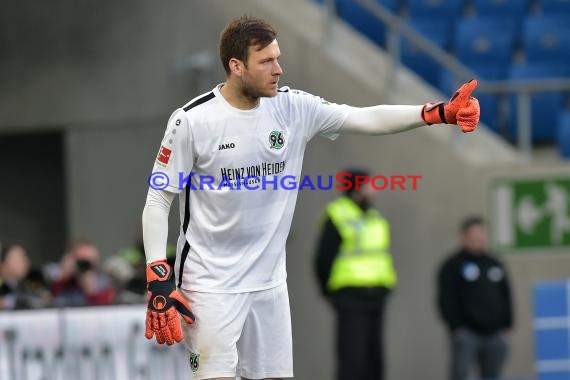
<point>462,110</point>
<point>383,119</point>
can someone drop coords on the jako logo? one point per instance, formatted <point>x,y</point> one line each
<point>226,146</point>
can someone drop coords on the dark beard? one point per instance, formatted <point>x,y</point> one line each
<point>251,93</point>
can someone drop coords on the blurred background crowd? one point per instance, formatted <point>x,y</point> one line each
<point>80,278</point>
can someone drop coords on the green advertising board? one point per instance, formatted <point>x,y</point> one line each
<point>530,213</point>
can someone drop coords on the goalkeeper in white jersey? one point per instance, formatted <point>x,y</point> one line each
<point>227,294</point>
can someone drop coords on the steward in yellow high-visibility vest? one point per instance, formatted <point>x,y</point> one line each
<point>355,272</point>
<point>363,259</point>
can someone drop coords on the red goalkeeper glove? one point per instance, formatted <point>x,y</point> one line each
<point>164,304</point>
<point>462,109</point>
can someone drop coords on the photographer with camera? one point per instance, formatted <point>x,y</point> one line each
<point>80,282</point>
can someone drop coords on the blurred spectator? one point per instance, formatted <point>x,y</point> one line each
<point>80,282</point>
<point>21,287</point>
<point>127,269</point>
<point>475,303</point>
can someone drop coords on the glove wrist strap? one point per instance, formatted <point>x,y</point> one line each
<point>158,271</point>
<point>434,113</point>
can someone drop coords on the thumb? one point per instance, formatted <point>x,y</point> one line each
<point>182,307</point>
<point>463,94</point>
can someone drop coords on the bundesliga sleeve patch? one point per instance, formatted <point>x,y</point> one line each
<point>163,155</point>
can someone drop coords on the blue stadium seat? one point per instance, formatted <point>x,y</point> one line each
<point>545,106</point>
<point>485,41</point>
<point>435,9</point>
<point>363,21</point>
<point>555,7</point>
<point>564,134</point>
<point>546,38</point>
<point>489,102</point>
<point>501,8</point>
<point>421,63</point>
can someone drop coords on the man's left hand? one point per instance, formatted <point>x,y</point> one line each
<point>462,109</point>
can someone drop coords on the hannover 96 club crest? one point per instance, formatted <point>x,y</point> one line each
<point>194,361</point>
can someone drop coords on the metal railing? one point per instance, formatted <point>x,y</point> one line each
<point>398,28</point>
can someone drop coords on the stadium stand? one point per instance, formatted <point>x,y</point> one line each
<point>513,9</point>
<point>498,40</point>
<point>420,62</point>
<point>547,38</point>
<point>488,41</point>
<point>442,10</point>
<point>545,106</point>
<point>363,21</point>
<point>555,7</point>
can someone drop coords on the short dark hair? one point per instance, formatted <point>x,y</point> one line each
<point>240,34</point>
<point>470,221</point>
